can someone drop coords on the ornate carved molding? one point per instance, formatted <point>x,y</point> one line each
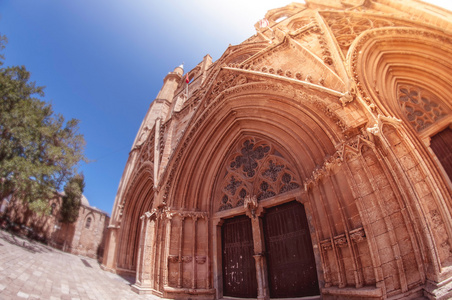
<point>164,212</point>
<point>182,259</point>
<point>200,259</point>
<point>357,47</point>
<point>251,205</point>
<point>332,115</point>
<point>341,241</point>
<point>357,235</point>
<point>210,103</point>
<point>227,80</point>
<point>186,259</point>
<point>346,27</point>
<point>347,97</point>
<point>173,258</point>
<point>326,245</point>
<point>376,129</point>
<point>330,164</point>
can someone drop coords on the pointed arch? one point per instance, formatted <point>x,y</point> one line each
<point>297,122</point>
<point>139,198</point>
<point>404,73</point>
<point>88,220</point>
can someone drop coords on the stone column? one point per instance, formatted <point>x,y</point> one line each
<point>166,247</point>
<point>109,260</point>
<point>143,275</point>
<point>261,269</point>
<point>141,245</point>
<point>255,213</point>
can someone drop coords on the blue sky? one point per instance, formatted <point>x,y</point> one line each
<point>103,62</point>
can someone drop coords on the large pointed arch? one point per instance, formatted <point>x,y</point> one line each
<point>303,127</point>
<point>299,121</point>
<point>392,67</point>
<point>138,199</point>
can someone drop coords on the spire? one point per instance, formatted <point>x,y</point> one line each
<point>179,70</point>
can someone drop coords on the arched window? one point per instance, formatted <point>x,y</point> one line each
<point>422,108</point>
<point>425,112</point>
<point>255,168</point>
<point>52,208</point>
<point>88,222</point>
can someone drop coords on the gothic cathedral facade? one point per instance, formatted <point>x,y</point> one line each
<point>313,159</point>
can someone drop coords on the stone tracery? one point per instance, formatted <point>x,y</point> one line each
<point>256,168</point>
<point>346,27</point>
<point>420,107</point>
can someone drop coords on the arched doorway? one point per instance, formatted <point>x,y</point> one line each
<point>266,247</point>
<point>288,254</point>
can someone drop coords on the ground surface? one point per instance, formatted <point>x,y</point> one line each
<point>30,270</point>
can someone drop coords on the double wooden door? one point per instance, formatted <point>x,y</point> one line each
<point>290,258</point>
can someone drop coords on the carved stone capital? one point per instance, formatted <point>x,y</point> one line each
<point>186,259</point>
<point>201,259</point>
<point>375,130</point>
<point>340,241</point>
<point>358,235</point>
<point>251,204</point>
<point>347,97</point>
<point>173,258</point>
<point>326,245</point>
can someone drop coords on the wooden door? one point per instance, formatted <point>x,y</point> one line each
<point>239,269</point>
<point>441,144</point>
<point>290,258</point>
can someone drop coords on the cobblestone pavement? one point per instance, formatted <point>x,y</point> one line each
<point>30,270</point>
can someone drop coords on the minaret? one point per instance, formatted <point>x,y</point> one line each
<point>160,106</point>
<point>170,83</point>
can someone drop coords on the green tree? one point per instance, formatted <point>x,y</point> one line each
<point>39,151</point>
<point>72,199</point>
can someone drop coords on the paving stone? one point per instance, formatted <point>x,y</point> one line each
<point>34,271</point>
<point>23,295</point>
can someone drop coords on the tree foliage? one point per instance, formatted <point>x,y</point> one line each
<point>39,151</point>
<point>72,199</point>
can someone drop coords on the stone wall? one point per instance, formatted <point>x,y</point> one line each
<point>82,237</point>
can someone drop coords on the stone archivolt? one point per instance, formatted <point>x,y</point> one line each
<point>332,111</point>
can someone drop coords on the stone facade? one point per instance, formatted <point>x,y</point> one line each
<point>84,237</point>
<point>318,148</point>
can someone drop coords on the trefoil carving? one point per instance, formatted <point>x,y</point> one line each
<point>255,170</point>
<point>421,108</point>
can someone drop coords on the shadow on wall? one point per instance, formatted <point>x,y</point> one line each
<point>62,236</point>
<point>80,238</point>
<point>26,224</point>
<point>29,245</point>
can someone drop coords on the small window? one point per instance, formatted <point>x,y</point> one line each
<point>88,222</point>
<point>52,208</point>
